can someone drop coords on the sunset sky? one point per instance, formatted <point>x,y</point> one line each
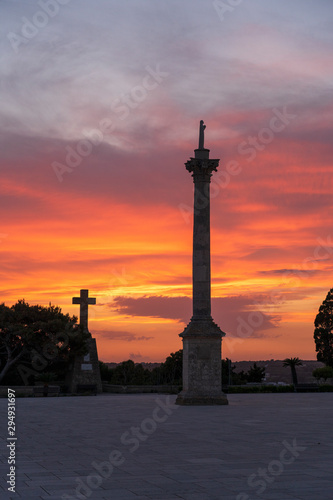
<point>100,108</point>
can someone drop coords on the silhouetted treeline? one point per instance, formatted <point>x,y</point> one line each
<point>229,377</point>
<point>170,372</point>
<point>130,373</point>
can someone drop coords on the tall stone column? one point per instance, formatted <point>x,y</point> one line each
<point>202,337</point>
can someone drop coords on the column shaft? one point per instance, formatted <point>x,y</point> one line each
<point>201,250</point>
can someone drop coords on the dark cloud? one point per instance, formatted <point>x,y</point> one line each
<point>138,357</point>
<point>241,316</point>
<point>235,315</point>
<point>177,308</point>
<point>120,335</point>
<point>267,252</point>
<point>290,272</point>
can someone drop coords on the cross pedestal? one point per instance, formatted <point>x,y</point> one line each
<point>202,337</point>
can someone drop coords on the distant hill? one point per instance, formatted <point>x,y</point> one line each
<point>148,366</point>
<point>276,372</point>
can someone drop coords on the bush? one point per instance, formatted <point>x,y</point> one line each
<point>260,389</point>
<point>326,388</point>
<point>325,372</point>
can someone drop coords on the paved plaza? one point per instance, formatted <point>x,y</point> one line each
<point>140,447</point>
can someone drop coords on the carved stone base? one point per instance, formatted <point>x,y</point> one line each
<point>202,384</point>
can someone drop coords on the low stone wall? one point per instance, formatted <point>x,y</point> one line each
<point>20,390</point>
<point>136,389</point>
<point>27,390</point>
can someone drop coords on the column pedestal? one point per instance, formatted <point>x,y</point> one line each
<point>202,365</point>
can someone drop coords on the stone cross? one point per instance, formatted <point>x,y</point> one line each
<point>84,301</point>
<point>201,135</point>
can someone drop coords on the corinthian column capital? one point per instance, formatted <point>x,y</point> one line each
<point>201,169</point>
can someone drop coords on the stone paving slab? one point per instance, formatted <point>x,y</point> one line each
<point>143,446</point>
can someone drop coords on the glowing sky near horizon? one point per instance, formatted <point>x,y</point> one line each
<point>100,108</point>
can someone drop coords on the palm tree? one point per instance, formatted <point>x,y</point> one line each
<point>293,362</point>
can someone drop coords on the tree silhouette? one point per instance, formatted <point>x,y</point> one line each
<point>323,334</point>
<point>293,362</point>
<point>255,373</point>
<point>38,337</point>
<point>172,368</point>
<point>324,372</point>
<point>229,376</point>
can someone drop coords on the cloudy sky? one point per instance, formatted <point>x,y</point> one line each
<point>100,108</point>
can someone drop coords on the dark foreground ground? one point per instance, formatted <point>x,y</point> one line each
<point>139,447</point>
